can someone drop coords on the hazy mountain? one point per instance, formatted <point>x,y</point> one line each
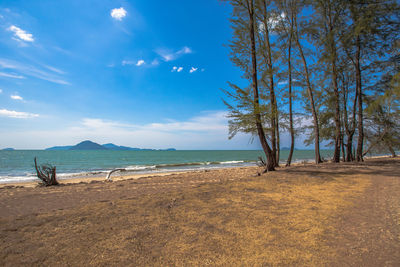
<point>89,145</point>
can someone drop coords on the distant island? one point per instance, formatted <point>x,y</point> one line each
<point>89,145</point>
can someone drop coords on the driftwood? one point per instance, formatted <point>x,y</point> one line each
<point>108,178</point>
<point>46,173</point>
<point>261,162</point>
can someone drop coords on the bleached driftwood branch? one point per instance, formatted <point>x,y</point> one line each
<point>108,178</point>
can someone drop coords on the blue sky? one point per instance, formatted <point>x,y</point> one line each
<point>135,73</point>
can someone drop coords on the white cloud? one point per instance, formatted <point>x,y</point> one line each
<point>193,69</point>
<point>283,82</point>
<point>140,62</point>
<point>168,55</point>
<point>30,71</point>
<point>176,69</point>
<point>9,75</point>
<point>21,34</point>
<point>1,91</point>
<point>118,13</point>
<point>273,21</point>
<point>17,114</point>
<point>16,97</point>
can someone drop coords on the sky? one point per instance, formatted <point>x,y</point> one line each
<point>136,73</point>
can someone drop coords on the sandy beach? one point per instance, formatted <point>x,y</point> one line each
<point>332,214</point>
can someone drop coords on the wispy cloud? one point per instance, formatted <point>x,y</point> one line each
<point>1,91</point>
<point>127,62</point>
<point>16,97</point>
<point>140,62</point>
<point>54,69</point>
<point>9,75</point>
<point>179,69</point>
<point>21,34</point>
<point>169,55</point>
<point>30,70</point>
<point>17,114</point>
<point>193,69</point>
<point>155,62</point>
<point>118,13</point>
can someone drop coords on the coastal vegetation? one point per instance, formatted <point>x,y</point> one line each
<point>326,69</point>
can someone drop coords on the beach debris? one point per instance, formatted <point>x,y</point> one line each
<point>46,173</point>
<point>261,162</point>
<point>108,177</point>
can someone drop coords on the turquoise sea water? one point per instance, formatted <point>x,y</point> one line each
<point>18,165</point>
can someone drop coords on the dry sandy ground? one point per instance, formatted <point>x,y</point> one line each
<point>326,215</point>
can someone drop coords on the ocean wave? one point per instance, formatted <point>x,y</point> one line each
<point>140,168</point>
<point>232,162</point>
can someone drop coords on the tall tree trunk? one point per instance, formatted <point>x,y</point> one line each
<point>260,130</point>
<point>333,56</point>
<point>336,155</point>
<point>274,111</point>
<point>291,128</point>
<point>360,127</point>
<point>311,99</point>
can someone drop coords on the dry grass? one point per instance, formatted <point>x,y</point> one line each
<point>275,219</point>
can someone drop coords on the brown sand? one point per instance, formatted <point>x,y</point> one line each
<point>335,215</point>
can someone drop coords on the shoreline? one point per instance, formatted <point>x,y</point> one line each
<point>120,176</point>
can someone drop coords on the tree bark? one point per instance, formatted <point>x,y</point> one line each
<point>291,128</point>
<point>274,108</point>
<point>311,99</point>
<point>260,130</point>
<point>360,127</point>
<point>333,55</point>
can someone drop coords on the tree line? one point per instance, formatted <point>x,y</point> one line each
<point>326,69</point>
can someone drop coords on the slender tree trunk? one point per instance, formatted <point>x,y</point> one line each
<point>336,155</point>
<point>360,127</point>
<point>260,130</point>
<point>311,99</point>
<point>278,140</point>
<point>349,130</point>
<point>291,128</point>
<point>342,145</point>
<point>331,38</point>
<point>274,111</point>
<point>391,151</point>
<point>349,147</point>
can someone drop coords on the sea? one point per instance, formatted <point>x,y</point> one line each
<point>18,165</point>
